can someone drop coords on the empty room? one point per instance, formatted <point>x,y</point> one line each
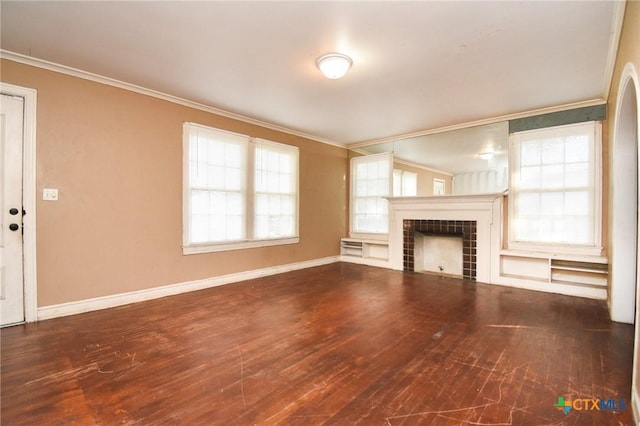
<point>319,213</point>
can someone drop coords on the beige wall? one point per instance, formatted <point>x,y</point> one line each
<point>628,52</point>
<point>425,179</point>
<point>116,158</point>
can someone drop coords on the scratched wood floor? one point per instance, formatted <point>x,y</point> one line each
<point>340,344</point>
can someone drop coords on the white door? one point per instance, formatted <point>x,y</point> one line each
<point>11,248</point>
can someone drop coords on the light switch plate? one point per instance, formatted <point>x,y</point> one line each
<point>49,194</point>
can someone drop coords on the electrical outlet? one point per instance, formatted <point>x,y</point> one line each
<point>49,194</point>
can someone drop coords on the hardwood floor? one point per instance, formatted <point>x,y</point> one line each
<point>339,344</point>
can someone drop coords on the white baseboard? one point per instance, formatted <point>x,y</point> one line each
<point>556,288</point>
<point>380,263</point>
<point>94,304</point>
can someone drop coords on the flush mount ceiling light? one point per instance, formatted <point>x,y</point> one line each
<point>486,155</point>
<point>334,65</point>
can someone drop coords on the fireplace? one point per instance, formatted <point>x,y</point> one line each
<point>474,218</point>
<point>465,229</point>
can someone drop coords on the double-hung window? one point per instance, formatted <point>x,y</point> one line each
<point>371,183</point>
<point>239,192</point>
<point>554,196</point>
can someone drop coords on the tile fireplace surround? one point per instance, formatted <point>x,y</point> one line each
<point>466,229</point>
<point>449,214</point>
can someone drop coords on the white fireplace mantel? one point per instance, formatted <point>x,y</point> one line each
<point>485,209</point>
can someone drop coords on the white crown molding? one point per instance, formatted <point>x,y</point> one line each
<point>51,66</point>
<point>614,41</point>
<point>491,120</point>
<point>111,301</point>
<point>63,69</point>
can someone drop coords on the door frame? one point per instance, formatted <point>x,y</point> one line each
<point>28,197</point>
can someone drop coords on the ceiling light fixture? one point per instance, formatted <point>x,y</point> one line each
<point>486,155</point>
<point>334,65</point>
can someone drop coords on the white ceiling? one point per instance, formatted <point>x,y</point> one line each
<point>417,65</point>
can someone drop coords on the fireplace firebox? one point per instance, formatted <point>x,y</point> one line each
<point>466,229</point>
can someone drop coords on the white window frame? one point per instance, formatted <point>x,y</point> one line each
<point>354,232</point>
<point>249,197</point>
<point>594,249</point>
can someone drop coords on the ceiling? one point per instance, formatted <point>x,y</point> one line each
<point>417,66</point>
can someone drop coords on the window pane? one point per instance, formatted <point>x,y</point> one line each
<point>552,176</point>
<point>551,204</point>
<point>530,153</point>
<point>552,151</point>
<point>530,177</point>
<point>528,204</point>
<point>577,203</point>
<point>577,149</point>
<point>577,175</point>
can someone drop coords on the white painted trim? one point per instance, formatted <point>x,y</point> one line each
<point>490,120</point>
<point>211,248</point>
<point>555,288</point>
<point>105,302</point>
<point>378,263</point>
<point>635,405</point>
<point>51,66</point>
<point>28,197</point>
<point>63,69</point>
<point>619,307</point>
<point>614,41</point>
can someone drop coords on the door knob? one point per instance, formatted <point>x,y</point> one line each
<point>14,211</point>
<point>14,226</point>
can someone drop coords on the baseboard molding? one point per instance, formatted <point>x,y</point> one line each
<point>105,302</point>
<point>556,288</point>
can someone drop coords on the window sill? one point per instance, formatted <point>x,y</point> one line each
<point>238,245</point>
<point>548,250</point>
<point>369,236</point>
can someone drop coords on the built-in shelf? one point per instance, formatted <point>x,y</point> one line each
<point>369,252</point>
<point>576,270</point>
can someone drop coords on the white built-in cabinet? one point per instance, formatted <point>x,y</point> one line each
<point>589,273</point>
<point>367,252</point>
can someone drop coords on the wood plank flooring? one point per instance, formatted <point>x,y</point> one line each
<point>340,344</point>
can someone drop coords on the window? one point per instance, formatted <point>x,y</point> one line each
<point>554,198</point>
<point>239,191</point>
<point>438,186</point>
<point>405,184</point>
<point>371,177</point>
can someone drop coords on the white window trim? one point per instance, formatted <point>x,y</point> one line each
<point>211,247</point>
<point>368,235</point>
<point>555,248</point>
